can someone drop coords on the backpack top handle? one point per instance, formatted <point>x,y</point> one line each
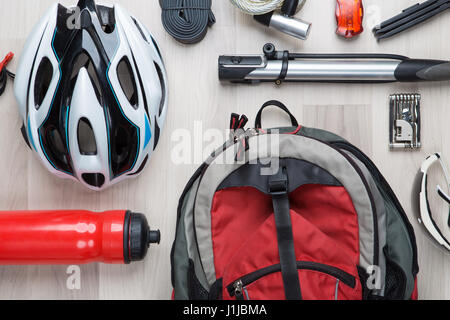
<point>278,104</point>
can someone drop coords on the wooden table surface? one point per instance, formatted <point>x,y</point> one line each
<point>198,100</point>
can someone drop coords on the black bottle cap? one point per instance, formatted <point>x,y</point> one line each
<point>154,236</point>
<point>139,237</point>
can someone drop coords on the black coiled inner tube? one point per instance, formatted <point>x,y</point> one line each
<point>187,20</point>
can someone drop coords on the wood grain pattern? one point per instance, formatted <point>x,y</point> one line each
<point>359,112</point>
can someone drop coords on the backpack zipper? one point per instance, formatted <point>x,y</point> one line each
<point>238,287</point>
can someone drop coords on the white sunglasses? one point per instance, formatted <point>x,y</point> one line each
<point>425,217</point>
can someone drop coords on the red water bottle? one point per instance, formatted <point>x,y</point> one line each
<point>74,237</point>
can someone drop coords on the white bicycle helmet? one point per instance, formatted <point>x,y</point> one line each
<point>91,88</point>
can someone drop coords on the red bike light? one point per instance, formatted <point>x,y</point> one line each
<point>349,17</point>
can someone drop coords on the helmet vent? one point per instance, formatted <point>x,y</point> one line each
<point>141,167</point>
<point>86,138</point>
<point>140,29</point>
<point>55,142</point>
<point>84,61</point>
<point>107,18</point>
<point>156,134</point>
<point>163,88</point>
<point>121,145</point>
<point>54,147</point>
<point>157,47</point>
<point>94,179</point>
<point>127,81</point>
<point>44,76</point>
<point>124,147</point>
<point>108,28</point>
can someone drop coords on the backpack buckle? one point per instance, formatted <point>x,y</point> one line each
<point>278,183</point>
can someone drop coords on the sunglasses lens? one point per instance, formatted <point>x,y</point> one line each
<point>439,208</point>
<point>417,186</point>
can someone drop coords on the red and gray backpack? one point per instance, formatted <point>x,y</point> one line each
<point>291,213</point>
